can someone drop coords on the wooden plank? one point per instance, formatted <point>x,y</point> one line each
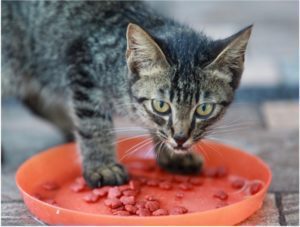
<point>16,213</point>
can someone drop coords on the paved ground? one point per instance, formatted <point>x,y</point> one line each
<point>268,130</point>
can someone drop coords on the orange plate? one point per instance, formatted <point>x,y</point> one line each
<point>62,165</point>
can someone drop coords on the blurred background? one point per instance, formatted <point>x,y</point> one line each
<point>263,119</point>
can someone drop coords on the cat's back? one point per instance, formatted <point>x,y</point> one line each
<point>37,34</point>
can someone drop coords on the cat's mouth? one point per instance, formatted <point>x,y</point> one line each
<point>179,149</point>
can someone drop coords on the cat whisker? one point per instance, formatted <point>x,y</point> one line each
<point>136,149</point>
<point>203,152</point>
<point>213,149</point>
<point>130,138</point>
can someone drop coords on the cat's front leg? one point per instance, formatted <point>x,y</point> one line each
<point>94,134</point>
<point>96,141</point>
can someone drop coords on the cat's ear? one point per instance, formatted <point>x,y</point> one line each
<point>143,54</point>
<point>229,62</point>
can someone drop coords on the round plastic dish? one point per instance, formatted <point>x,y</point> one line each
<point>62,165</point>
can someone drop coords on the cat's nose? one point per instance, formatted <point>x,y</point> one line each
<point>180,139</point>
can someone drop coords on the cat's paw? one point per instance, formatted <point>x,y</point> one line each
<point>105,174</point>
<point>190,163</point>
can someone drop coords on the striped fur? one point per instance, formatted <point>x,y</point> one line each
<point>97,59</point>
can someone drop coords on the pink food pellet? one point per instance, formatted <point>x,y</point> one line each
<point>77,187</point>
<point>118,208</point>
<point>130,208</point>
<point>165,185</point>
<point>101,192</point>
<point>221,195</point>
<point>130,192</point>
<point>185,186</point>
<point>255,187</point>
<point>80,180</point>
<point>179,195</point>
<point>221,204</point>
<point>114,192</point>
<point>50,186</point>
<point>152,205</point>
<point>160,212</point>
<point>113,203</point>
<point>128,200</point>
<point>178,210</point>
<point>140,204</point>
<point>143,212</point>
<point>91,198</point>
<point>150,198</point>
<point>238,183</point>
<point>121,213</point>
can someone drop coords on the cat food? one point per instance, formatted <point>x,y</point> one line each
<point>221,195</point>
<point>130,208</point>
<point>179,195</point>
<point>91,198</point>
<point>77,187</point>
<point>152,205</point>
<point>221,204</point>
<point>178,210</point>
<point>113,203</point>
<point>124,200</point>
<point>128,200</point>
<point>255,187</point>
<point>140,204</point>
<point>166,185</point>
<point>114,192</point>
<point>129,192</point>
<point>238,183</point>
<point>150,198</point>
<point>160,212</point>
<point>101,192</point>
<point>80,180</point>
<point>185,186</point>
<point>50,186</point>
<point>121,213</point>
<point>143,212</point>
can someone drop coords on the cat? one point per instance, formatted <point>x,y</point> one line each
<point>78,63</point>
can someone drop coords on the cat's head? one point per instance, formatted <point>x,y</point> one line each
<point>183,83</point>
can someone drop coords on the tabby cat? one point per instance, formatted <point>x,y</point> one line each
<point>78,63</point>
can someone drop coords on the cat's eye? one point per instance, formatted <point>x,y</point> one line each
<point>205,110</point>
<point>160,107</point>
